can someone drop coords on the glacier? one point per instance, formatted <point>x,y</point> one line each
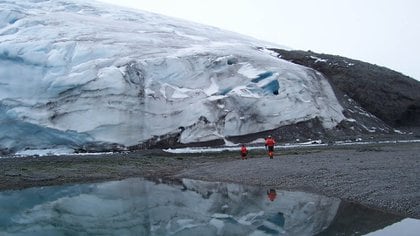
<point>75,74</point>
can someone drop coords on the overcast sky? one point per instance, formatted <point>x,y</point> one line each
<point>382,32</point>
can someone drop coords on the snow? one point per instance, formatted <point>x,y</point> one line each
<point>348,63</point>
<point>317,59</point>
<point>311,143</point>
<point>55,152</point>
<point>270,52</point>
<point>370,130</point>
<point>44,152</point>
<point>89,72</point>
<point>398,131</point>
<point>236,148</point>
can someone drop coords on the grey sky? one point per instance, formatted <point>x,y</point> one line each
<point>382,32</point>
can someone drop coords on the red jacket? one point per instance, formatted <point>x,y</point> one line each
<point>270,142</point>
<point>272,194</point>
<point>244,150</point>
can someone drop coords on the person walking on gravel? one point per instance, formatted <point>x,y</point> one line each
<point>269,143</point>
<point>244,152</point>
<point>271,194</point>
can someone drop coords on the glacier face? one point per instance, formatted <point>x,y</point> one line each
<point>96,73</point>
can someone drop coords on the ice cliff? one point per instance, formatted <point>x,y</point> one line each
<point>77,73</point>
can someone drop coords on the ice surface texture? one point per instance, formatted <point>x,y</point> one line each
<point>88,72</point>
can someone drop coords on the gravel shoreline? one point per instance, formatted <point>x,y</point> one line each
<point>381,176</point>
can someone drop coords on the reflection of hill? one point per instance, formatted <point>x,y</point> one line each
<point>353,219</point>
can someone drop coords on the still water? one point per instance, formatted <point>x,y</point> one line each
<point>184,207</point>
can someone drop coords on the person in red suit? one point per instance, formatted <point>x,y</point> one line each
<point>269,144</point>
<point>244,152</point>
<point>271,194</point>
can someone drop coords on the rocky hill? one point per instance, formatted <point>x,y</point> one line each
<point>389,95</point>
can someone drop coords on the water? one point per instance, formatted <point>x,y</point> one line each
<point>185,207</point>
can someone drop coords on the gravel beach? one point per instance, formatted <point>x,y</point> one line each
<point>381,176</point>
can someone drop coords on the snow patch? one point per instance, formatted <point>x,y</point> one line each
<point>398,131</point>
<point>317,59</point>
<point>45,152</point>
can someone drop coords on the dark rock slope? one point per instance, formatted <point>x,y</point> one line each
<point>389,95</point>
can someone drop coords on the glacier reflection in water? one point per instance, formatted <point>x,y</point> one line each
<point>182,207</point>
